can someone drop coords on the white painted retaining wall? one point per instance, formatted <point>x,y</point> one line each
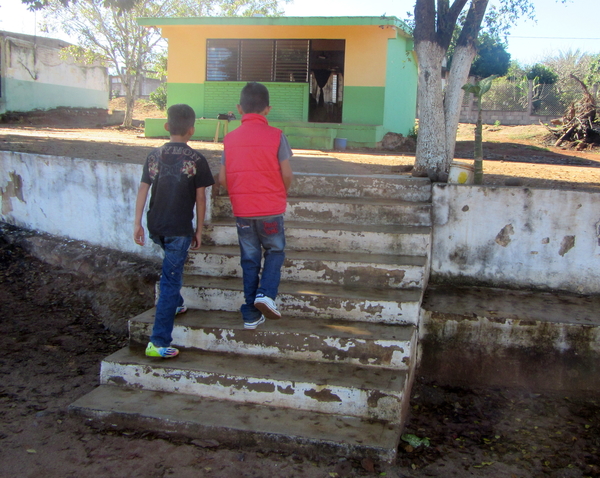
<point>92,201</point>
<point>517,237</point>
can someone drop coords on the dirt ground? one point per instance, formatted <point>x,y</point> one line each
<point>513,155</point>
<point>52,343</point>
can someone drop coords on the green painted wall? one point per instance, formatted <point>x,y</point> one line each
<point>363,105</point>
<point>401,89</point>
<point>289,101</point>
<point>22,95</point>
<point>189,93</point>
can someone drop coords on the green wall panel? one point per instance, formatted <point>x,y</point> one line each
<point>189,93</point>
<point>401,90</point>
<point>363,105</point>
<point>30,95</point>
<point>289,101</point>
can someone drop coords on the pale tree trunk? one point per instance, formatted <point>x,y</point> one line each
<point>459,74</point>
<point>130,95</point>
<point>431,141</point>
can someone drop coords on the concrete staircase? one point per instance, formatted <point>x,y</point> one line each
<point>334,374</point>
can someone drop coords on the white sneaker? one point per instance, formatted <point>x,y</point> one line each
<point>267,307</point>
<point>256,323</point>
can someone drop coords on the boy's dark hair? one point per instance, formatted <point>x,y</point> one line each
<point>254,98</point>
<point>181,118</point>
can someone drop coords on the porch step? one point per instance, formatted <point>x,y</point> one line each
<point>332,341</point>
<point>345,210</point>
<point>383,186</point>
<point>343,389</point>
<point>309,300</point>
<point>241,425</point>
<point>346,269</point>
<point>317,236</point>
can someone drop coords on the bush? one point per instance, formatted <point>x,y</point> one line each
<point>159,97</point>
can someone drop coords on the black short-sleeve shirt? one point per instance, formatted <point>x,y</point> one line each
<point>174,172</point>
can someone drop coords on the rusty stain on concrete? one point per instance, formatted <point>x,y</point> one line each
<point>235,383</point>
<point>567,244</point>
<point>503,237</point>
<point>117,380</point>
<point>14,189</point>
<point>289,390</point>
<point>324,395</point>
<point>374,398</point>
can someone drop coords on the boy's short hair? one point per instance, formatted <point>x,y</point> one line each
<point>254,98</point>
<point>181,118</point>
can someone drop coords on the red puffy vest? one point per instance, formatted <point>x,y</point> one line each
<point>253,172</point>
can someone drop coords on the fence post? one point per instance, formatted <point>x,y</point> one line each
<point>530,97</point>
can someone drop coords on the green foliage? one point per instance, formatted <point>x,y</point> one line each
<point>593,75</point>
<point>159,97</point>
<point>82,55</point>
<point>542,74</point>
<point>492,58</point>
<point>479,89</point>
<point>414,132</point>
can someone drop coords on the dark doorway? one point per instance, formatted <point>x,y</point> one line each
<point>326,81</point>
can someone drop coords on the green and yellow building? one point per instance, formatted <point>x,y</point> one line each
<point>328,77</point>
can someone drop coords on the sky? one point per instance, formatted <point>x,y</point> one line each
<point>559,27</point>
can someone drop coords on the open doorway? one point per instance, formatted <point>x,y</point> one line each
<point>326,81</point>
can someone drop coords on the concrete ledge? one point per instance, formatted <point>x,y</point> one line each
<point>496,337</point>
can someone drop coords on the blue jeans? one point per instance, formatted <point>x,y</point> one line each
<point>255,235</point>
<point>171,280</point>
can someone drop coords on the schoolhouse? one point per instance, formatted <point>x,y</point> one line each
<point>351,79</point>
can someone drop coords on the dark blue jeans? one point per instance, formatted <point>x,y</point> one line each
<point>256,235</point>
<point>171,280</point>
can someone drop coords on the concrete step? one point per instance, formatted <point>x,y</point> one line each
<point>241,425</point>
<point>345,211</point>
<point>309,300</point>
<point>317,236</point>
<point>377,270</point>
<point>512,338</point>
<point>343,389</point>
<point>331,341</point>
<point>383,186</point>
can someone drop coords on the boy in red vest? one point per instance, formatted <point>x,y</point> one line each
<point>255,169</point>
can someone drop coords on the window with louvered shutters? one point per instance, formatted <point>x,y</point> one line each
<point>257,60</point>
<point>291,60</point>
<point>222,59</point>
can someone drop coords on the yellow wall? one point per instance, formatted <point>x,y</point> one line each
<point>365,60</point>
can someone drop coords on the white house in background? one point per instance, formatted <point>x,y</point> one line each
<point>34,76</point>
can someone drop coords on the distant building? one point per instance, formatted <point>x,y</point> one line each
<point>34,76</point>
<point>329,77</point>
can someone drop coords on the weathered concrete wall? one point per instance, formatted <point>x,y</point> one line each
<point>468,114</point>
<point>516,237</point>
<point>90,201</point>
<point>35,76</point>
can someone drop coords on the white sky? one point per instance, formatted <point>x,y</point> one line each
<point>559,27</point>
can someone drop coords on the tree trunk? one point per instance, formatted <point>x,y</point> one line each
<point>431,141</point>
<point>130,96</point>
<point>478,152</point>
<point>459,74</point>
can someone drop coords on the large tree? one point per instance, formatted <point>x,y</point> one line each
<point>111,32</point>
<point>439,107</point>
